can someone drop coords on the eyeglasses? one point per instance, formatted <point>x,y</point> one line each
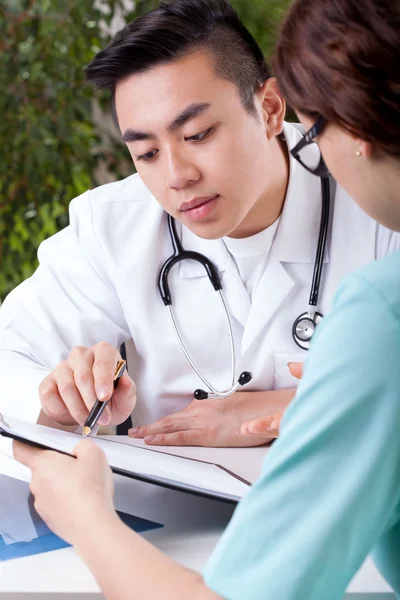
<point>307,151</point>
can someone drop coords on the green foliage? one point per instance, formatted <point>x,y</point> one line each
<point>262,17</point>
<point>49,146</point>
<point>50,149</point>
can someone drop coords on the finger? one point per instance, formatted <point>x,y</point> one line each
<point>124,399</point>
<point>92,458</point>
<point>89,451</point>
<point>26,454</point>
<point>296,369</point>
<point>52,403</point>
<point>50,399</point>
<point>81,362</point>
<point>261,426</point>
<point>178,438</point>
<point>170,424</point>
<point>65,380</point>
<point>105,360</point>
<point>85,447</point>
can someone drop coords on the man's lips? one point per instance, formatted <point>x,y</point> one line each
<point>196,202</point>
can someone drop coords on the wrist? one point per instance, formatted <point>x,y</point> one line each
<point>94,527</point>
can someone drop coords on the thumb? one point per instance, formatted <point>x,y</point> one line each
<point>90,452</point>
<point>268,426</point>
<point>123,400</point>
<point>296,369</point>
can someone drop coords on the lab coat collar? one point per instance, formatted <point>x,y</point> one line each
<point>297,236</point>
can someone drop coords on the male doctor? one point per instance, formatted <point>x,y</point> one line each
<point>204,123</point>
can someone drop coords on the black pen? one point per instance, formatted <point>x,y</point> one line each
<point>99,405</point>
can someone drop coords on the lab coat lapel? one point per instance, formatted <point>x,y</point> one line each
<point>274,286</point>
<point>296,242</point>
<point>235,294</point>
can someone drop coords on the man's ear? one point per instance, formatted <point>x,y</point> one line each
<point>273,107</point>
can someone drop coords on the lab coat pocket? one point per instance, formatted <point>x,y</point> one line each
<point>283,379</point>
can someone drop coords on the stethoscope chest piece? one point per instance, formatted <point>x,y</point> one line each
<point>304,327</point>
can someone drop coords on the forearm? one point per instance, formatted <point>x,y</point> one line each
<point>20,379</point>
<point>126,566</point>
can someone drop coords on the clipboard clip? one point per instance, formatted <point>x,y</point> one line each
<point>2,422</point>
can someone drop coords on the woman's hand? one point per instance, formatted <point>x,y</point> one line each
<point>270,425</point>
<point>71,494</point>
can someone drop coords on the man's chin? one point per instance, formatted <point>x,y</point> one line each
<point>210,231</point>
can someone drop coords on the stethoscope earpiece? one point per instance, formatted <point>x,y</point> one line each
<point>244,379</point>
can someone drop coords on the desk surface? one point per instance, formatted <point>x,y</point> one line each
<point>192,527</point>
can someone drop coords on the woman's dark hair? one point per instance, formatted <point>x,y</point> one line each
<point>341,59</point>
<point>176,28</point>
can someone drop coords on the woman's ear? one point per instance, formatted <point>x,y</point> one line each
<point>273,107</point>
<point>366,149</point>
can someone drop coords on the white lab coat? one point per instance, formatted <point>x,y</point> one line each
<point>97,281</point>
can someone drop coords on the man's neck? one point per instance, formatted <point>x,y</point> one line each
<point>269,206</point>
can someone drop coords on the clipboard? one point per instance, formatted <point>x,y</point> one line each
<point>172,471</point>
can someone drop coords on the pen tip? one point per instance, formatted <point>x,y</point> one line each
<point>86,431</point>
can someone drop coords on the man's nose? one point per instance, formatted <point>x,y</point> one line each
<point>181,171</point>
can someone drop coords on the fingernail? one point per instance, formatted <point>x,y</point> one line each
<point>102,392</point>
<point>133,430</point>
<point>149,438</point>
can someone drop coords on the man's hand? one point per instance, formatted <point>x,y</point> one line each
<point>215,422</point>
<point>71,494</point>
<point>68,394</point>
<point>269,425</point>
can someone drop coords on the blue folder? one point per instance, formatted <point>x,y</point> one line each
<point>47,540</point>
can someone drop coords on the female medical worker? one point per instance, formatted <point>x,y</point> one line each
<point>330,488</point>
<point>223,170</point>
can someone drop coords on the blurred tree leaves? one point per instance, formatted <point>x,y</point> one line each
<point>49,146</point>
<point>50,149</point>
<point>262,18</point>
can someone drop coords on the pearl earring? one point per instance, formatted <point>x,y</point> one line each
<point>358,153</point>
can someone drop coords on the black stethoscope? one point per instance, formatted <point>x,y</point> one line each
<point>303,327</point>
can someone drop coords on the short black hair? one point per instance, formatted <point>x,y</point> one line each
<point>171,31</point>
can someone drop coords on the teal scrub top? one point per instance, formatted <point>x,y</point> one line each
<point>329,491</point>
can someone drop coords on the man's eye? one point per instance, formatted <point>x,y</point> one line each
<point>148,157</point>
<point>199,137</point>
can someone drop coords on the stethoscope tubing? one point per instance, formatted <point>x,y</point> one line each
<point>181,254</point>
<point>233,386</point>
<point>322,239</point>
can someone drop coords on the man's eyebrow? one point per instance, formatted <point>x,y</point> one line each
<point>130,135</point>
<point>192,111</point>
